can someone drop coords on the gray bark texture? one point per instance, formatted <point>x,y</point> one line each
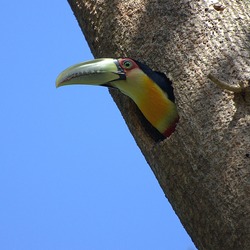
<point>203,168</point>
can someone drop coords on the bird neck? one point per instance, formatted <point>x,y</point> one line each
<point>157,108</point>
<point>153,102</point>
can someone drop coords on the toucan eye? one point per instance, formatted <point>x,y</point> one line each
<point>127,64</point>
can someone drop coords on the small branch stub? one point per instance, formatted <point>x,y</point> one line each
<point>239,88</point>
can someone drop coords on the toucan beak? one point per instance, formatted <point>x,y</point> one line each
<point>96,72</point>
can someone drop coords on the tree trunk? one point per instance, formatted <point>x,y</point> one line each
<point>203,168</point>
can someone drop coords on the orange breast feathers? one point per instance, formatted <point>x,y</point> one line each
<point>156,107</point>
<point>150,99</point>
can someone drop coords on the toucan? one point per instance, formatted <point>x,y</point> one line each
<point>151,91</point>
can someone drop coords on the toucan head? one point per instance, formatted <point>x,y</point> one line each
<point>125,74</point>
<point>150,90</point>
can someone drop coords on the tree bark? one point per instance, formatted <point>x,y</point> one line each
<point>203,168</point>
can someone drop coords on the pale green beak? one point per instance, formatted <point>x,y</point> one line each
<point>96,72</point>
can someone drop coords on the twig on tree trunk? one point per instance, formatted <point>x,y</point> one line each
<point>239,88</point>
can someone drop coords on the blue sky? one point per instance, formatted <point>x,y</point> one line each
<point>71,175</point>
